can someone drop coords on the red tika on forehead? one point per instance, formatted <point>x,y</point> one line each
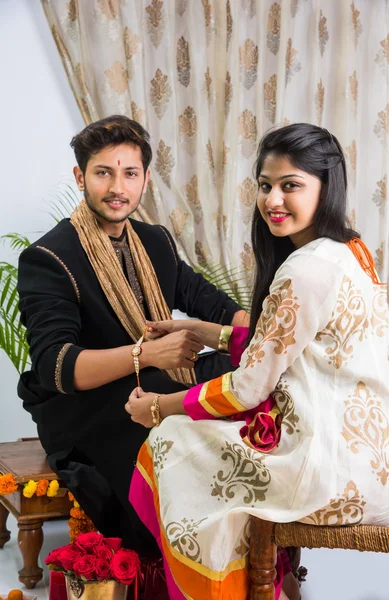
<point>118,163</point>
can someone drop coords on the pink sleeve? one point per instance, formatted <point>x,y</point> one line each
<point>238,344</point>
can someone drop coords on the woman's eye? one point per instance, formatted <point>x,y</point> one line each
<point>290,185</point>
<point>265,187</point>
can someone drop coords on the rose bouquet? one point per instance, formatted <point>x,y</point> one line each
<point>92,557</point>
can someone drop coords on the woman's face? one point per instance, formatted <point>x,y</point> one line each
<point>288,199</point>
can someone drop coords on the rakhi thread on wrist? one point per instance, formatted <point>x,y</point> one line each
<point>136,352</point>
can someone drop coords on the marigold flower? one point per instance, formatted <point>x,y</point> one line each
<point>75,504</point>
<point>42,486</point>
<point>71,497</point>
<point>30,488</point>
<point>53,488</point>
<point>8,484</point>
<point>77,513</point>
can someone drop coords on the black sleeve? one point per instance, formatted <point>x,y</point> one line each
<point>198,298</point>
<point>49,306</point>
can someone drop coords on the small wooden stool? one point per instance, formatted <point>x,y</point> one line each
<point>266,536</point>
<point>26,460</point>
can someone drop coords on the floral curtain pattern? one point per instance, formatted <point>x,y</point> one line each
<point>208,77</point>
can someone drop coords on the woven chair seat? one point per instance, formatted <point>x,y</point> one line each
<point>266,536</point>
<point>365,538</point>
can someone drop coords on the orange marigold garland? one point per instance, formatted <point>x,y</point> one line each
<point>8,484</point>
<point>41,487</point>
<point>79,522</point>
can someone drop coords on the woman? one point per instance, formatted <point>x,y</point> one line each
<point>316,360</point>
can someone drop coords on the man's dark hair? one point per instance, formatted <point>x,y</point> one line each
<point>111,131</point>
<point>317,152</point>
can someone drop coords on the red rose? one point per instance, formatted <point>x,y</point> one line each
<point>85,567</point>
<point>89,541</point>
<point>103,552</point>
<point>103,569</point>
<point>114,543</point>
<point>125,565</point>
<point>54,558</point>
<point>69,556</point>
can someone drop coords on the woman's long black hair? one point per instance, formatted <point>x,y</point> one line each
<point>317,152</point>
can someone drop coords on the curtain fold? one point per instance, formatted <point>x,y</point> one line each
<point>208,77</point>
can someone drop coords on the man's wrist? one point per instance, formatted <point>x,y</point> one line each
<point>241,319</point>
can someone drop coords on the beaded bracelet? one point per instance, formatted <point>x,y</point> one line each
<point>155,411</point>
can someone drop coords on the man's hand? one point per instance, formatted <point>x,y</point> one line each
<point>139,407</point>
<point>178,349</point>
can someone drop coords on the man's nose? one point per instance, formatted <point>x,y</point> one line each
<point>117,185</point>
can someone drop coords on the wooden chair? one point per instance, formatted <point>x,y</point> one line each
<point>266,536</point>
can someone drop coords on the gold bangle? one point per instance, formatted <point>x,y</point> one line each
<point>224,339</point>
<point>155,411</point>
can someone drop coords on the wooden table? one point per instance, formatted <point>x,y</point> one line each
<point>26,460</point>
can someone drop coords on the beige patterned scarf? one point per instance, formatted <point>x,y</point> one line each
<point>99,250</point>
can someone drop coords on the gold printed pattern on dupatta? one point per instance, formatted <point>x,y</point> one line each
<point>276,324</point>
<point>382,56</point>
<point>179,219</point>
<point>348,323</point>
<point>160,450</point>
<point>244,544</point>
<point>182,537</point>
<point>230,23</point>
<point>118,77</point>
<point>366,427</point>
<point>244,473</point>
<point>345,509</point>
<point>319,101</point>
<point>188,129</point>
<point>286,405</point>
<point>380,312</point>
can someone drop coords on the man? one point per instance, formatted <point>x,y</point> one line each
<point>86,289</point>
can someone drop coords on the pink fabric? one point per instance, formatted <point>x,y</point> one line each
<point>192,405</point>
<point>141,498</point>
<point>237,344</point>
<point>283,568</point>
<point>262,431</point>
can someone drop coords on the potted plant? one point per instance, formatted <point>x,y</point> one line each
<point>96,567</point>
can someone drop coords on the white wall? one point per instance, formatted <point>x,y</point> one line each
<point>38,116</point>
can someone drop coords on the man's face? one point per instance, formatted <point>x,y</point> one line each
<point>113,185</point>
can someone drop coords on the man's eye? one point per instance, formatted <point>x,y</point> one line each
<point>131,173</point>
<point>102,172</point>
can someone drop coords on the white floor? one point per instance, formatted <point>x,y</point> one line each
<point>332,574</point>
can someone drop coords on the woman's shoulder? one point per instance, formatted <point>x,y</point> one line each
<point>320,262</point>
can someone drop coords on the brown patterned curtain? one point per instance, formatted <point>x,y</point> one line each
<point>208,77</point>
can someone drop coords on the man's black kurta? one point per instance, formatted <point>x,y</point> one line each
<point>91,441</point>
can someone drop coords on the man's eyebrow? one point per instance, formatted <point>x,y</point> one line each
<point>110,168</point>
<point>283,176</point>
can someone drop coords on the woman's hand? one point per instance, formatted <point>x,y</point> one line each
<point>139,407</point>
<point>156,329</point>
<point>206,333</point>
